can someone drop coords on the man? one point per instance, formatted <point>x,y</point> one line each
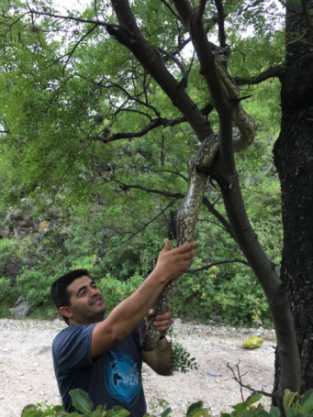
<point>103,356</point>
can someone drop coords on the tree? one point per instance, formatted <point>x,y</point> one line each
<point>211,107</point>
<point>293,155</point>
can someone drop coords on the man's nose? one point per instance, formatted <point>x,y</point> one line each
<point>94,290</point>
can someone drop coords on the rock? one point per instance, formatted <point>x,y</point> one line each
<point>11,267</point>
<point>21,309</point>
<point>44,350</point>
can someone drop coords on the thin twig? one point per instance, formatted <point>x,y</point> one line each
<point>237,376</point>
<point>212,264</point>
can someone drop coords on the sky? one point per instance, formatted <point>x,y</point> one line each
<point>70,4</point>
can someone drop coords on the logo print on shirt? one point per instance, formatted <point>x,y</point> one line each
<point>122,380</point>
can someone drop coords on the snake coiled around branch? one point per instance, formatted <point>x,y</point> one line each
<point>186,220</point>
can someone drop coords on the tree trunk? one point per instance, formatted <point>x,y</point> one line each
<point>293,155</point>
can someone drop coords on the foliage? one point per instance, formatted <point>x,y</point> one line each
<point>294,405</point>
<point>115,290</point>
<point>8,251</point>
<point>7,296</point>
<point>182,359</point>
<point>109,204</point>
<point>230,296</point>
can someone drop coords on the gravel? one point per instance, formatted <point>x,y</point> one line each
<point>27,371</point>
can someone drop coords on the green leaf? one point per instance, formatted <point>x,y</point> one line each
<point>197,410</point>
<point>117,412</point>
<point>253,399</point>
<point>81,401</point>
<point>31,410</point>
<point>274,412</point>
<point>100,411</point>
<point>166,412</point>
<point>289,399</point>
<point>307,402</point>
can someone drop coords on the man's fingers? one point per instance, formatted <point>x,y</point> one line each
<point>185,256</point>
<point>167,245</point>
<point>164,316</point>
<point>162,324</point>
<point>162,328</point>
<point>186,247</point>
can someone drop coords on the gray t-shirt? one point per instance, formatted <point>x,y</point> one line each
<point>112,379</point>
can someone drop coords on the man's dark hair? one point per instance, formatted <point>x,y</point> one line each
<point>59,293</point>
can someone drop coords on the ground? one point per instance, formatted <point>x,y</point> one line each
<point>27,372</point>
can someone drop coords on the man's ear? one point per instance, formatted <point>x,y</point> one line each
<point>65,312</point>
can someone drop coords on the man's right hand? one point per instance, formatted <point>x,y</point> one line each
<point>125,316</point>
<point>173,262</point>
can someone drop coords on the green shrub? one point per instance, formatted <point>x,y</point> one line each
<point>294,406</point>
<point>8,292</point>
<point>8,295</point>
<point>232,297</point>
<point>114,291</point>
<point>34,286</point>
<point>9,250</point>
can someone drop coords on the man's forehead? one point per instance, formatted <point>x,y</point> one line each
<point>78,283</point>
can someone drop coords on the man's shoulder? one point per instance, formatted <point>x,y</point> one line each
<point>71,348</point>
<point>70,333</point>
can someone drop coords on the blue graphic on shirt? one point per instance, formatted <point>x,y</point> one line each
<point>121,377</point>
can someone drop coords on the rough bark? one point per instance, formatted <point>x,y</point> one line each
<point>293,154</point>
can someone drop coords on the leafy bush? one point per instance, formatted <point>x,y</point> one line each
<point>114,291</point>
<point>7,291</point>
<point>9,250</point>
<point>232,297</point>
<point>294,405</point>
<point>8,295</point>
<point>84,408</point>
<point>182,359</point>
<point>34,285</point>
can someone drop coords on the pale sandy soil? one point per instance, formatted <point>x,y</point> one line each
<point>27,373</point>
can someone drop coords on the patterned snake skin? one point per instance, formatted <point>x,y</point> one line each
<point>186,221</point>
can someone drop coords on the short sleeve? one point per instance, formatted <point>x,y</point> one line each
<point>72,347</point>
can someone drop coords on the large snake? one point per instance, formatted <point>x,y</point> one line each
<point>187,215</point>
<point>186,221</point>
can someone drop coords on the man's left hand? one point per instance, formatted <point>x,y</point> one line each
<point>162,322</point>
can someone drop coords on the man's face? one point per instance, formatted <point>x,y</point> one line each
<point>86,302</point>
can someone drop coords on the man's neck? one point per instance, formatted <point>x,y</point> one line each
<point>86,321</point>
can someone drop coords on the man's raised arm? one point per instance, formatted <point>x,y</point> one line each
<point>125,316</point>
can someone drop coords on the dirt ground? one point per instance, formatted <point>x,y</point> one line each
<point>27,373</point>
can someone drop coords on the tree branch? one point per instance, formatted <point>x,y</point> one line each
<point>129,35</point>
<point>237,376</point>
<point>145,225</point>
<point>227,226</point>
<point>276,71</point>
<point>109,84</point>
<point>46,13</point>
<point>184,10</point>
<point>155,123</point>
<point>170,8</point>
<point>221,22</point>
<point>126,187</point>
<point>210,265</point>
<point>72,51</point>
